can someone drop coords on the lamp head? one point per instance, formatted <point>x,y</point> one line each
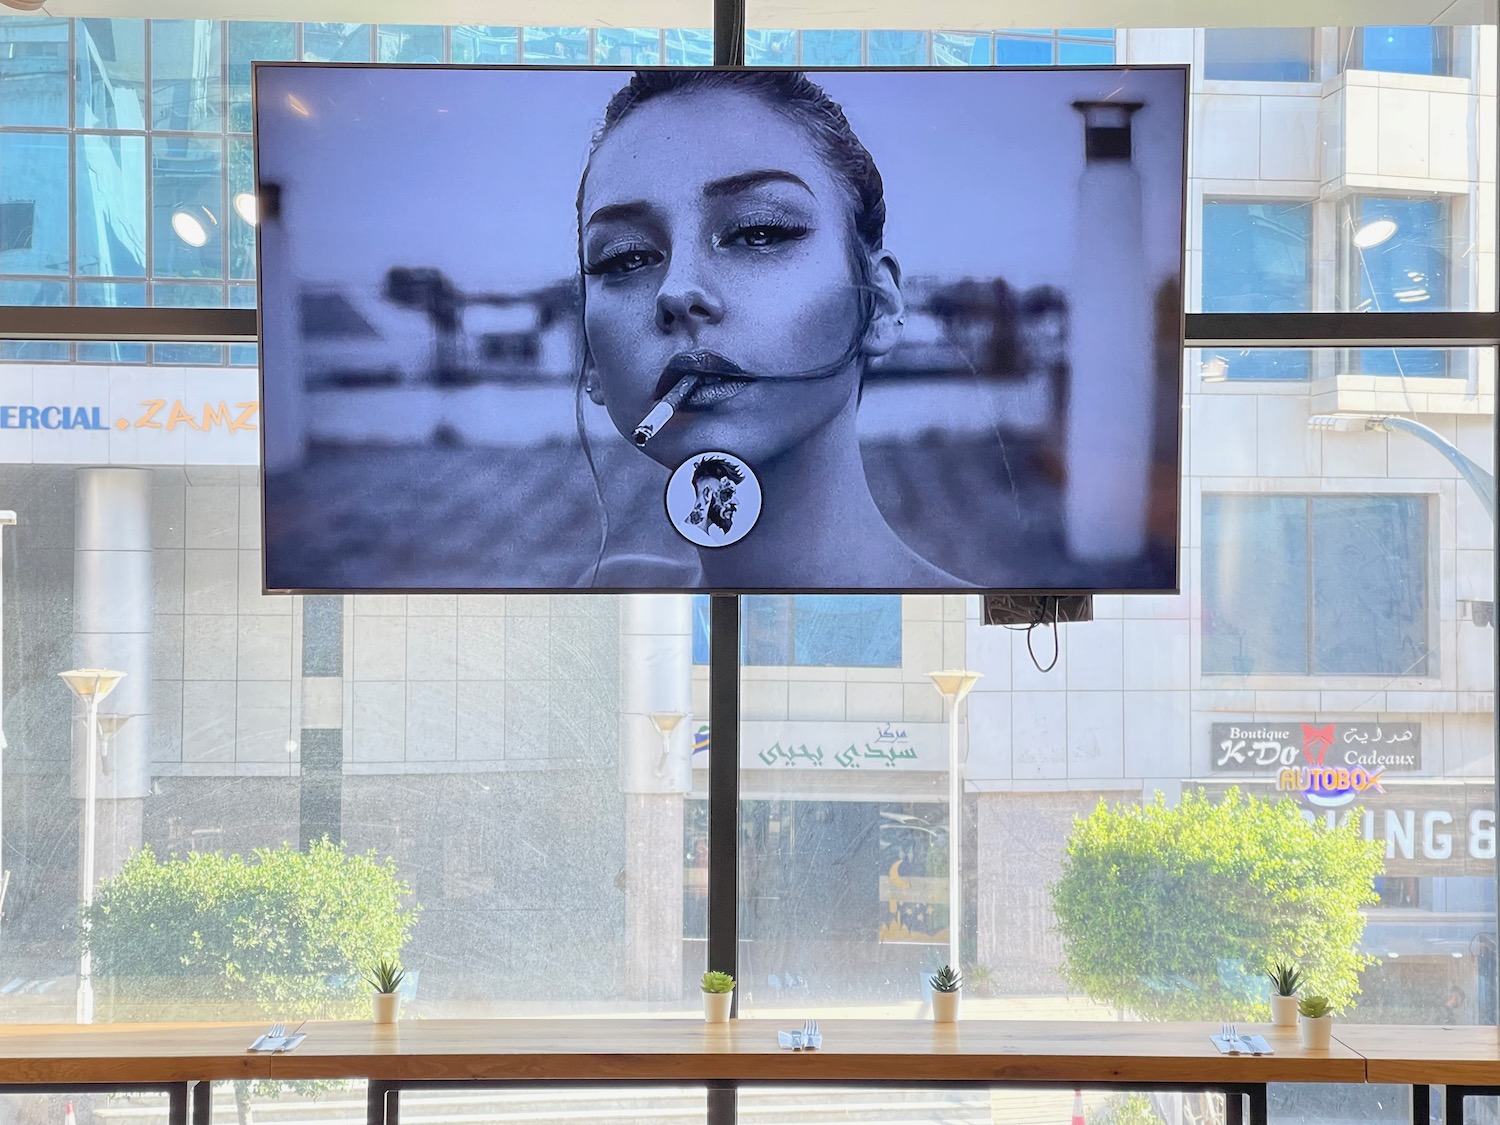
<point>666,722</point>
<point>92,683</point>
<point>954,683</point>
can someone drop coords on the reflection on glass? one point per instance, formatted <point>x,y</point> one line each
<point>1257,257</point>
<point>956,48</point>
<point>689,47</point>
<point>187,75</point>
<point>188,295</point>
<point>897,48</point>
<point>34,72</point>
<point>1258,54</point>
<point>473,43</point>
<point>771,48</point>
<point>33,293</point>
<point>109,74</point>
<point>34,205</point>
<point>110,205</point>
<point>1013,51</point>
<point>242,355</point>
<point>242,210</point>
<point>623,46</point>
<point>560,45</point>
<point>336,42</point>
<point>187,207</point>
<point>249,42</point>
<point>1404,50</point>
<point>408,44</point>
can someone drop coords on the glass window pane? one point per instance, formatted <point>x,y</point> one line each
<point>34,293</point>
<point>897,48</point>
<point>831,48</point>
<point>1369,585</point>
<point>112,294</point>
<point>561,45</point>
<point>690,47</point>
<point>956,48</point>
<point>336,42</point>
<point>242,355</point>
<point>1396,254</point>
<point>766,629</point>
<point>110,75</point>
<point>1084,54</point>
<point>34,72</point>
<point>111,205</point>
<point>241,213</point>
<point>1090,32</point>
<point>33,203</point>
<point>1254,585</point>
<point>623,46</point>
<point>186,207</point>
<point>1404,50</point>
<point>195,296</point>
<point>853,630</point>
<point>187,75</point>
<point>408,43</point>
<point>249,42</point>
<point>771,48</point>
<point>1258,54</point>
<point>1010,51</point>
<point>473,43</point>
<point>1257,256</point>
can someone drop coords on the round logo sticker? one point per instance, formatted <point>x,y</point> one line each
<point>713,499</point>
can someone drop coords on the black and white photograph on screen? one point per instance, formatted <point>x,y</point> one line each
<point>556,329</point>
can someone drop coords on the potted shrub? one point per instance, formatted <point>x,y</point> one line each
<point>718,996</point>
<point>947,987</point>
<point>385,978</point>
<point>1316,1026</point>
<point>1286,980</point>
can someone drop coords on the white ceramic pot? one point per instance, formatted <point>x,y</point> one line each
<point>945,1006</point>
<point>1284,1011</point>
<point>1316,1034</point>
<point>716,1006</point>
<point>384,1005</point>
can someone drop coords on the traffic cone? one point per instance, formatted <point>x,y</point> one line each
<point>68,1116</point>
<point>1077,1108</point>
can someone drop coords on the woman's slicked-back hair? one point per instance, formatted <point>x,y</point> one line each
<point>789,92</point>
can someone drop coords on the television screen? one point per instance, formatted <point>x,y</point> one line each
<point>552,329</point>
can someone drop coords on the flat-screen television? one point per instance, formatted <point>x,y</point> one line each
<point>547,329</point>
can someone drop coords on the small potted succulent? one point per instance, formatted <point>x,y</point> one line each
<point>1316,1027</point>
<point>718,996</point>
<point>1286,980</point>
<point>385,978</point>
<point>947,988</point>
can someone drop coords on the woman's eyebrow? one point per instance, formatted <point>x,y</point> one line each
<point>620,212</point>
<point>732,185</point>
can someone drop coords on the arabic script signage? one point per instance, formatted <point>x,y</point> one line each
<point>1272,747</point>
<point>841,747</point>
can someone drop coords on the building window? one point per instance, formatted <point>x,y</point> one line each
<point>1258,54</point>
<point>1394,253</point>
<point>1315,585</point>
<point>811,630</point>
<point>1257,257</point>
<point>1403,50</point>
<point>1041,46</point>
<point>17,218</point>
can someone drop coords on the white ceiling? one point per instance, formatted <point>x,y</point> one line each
<point>884,14</point>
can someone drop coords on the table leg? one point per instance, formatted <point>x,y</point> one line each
<point>376,1106</point>
<point>1421,1105</point>
<point>1259,1109</point>
<point>177,1103</point>
<point>201,1102</point>
<point>1234,1106</point>
<point>1453,1108</point>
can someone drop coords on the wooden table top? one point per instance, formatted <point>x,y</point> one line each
<point>123,1052</point>
<point>1425,1055</point>
<point>672,1050</point>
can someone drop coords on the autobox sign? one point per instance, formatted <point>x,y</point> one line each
<point>1375,748</point>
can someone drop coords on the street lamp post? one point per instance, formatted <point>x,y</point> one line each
<point>1479,478</point>
<point>954,684</point>
<point>90,685</point>
<point>665,723</point>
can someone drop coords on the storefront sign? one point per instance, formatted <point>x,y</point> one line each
<point>1272,747</point>
<point>840,747</point>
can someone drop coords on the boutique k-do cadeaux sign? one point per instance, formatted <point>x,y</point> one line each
<point>556,329</point>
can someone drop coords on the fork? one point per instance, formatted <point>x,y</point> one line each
<point>1231,1036</point>
<point>811,1035</point>
<point>278,1031</point>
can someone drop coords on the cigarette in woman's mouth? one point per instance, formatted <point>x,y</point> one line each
<point>662,412</point>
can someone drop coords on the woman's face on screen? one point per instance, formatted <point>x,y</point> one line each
<point>714,238</point>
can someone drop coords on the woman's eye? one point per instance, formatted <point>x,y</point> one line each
<point>759,236</point>
<point>627,260</point>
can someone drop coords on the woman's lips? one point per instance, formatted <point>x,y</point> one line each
<point>714,389</point>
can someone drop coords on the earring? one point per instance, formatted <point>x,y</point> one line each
<point>901,320</point>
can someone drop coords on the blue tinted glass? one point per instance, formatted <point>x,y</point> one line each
<point>1254,585</point>
<point>34,293</point>
<point>34,204</point>
<point>186,207</point>
<point>110,207</point>
<point>187,75</point>
<point>690,47</point>
<point>897,48</point>
<point>1090,32</point>
<point>953,48</point>
<point>188,295</point>
<point>857,630</point>
<point>110,74</point>
<point>1403,362</point>
<point>765,629</point>
<point>1258,54</point>
<point>1406,50</point>
<point>556,45</point>
<point>475,44</point>
<point>1369,585</point>
<point>408,43</point>
<point>239,217</point>
<point>336,42</point>
<point>1257,257</point>
<point>623,46</point>
<point>771,48</point>
<point>1283,364</point>
<point>1084,54</point>
<point>247,43</point>
<point>1022,52</point>
<point>701,605</point>
<point>34,72</point>
<point>1407,269</point>
<point>111,294</point>
<point>831,48</point>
